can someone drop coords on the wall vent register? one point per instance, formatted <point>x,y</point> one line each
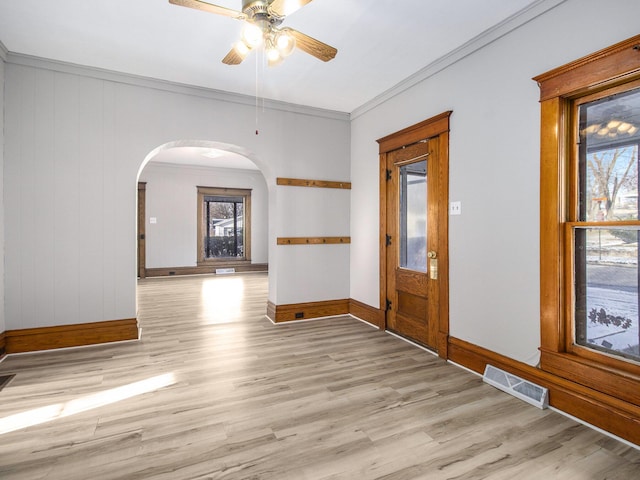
<point>529,392</point>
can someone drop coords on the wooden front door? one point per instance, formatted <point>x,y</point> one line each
<point>415,259</point>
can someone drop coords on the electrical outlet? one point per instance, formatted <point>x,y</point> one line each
<point>455,208</point>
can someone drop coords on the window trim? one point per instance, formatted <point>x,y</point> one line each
<point>246,229</point>
<point>615,67</point>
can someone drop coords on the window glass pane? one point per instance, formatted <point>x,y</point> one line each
<point>224,227</point>
<point>608,160</point>
<point>413,216</point>
<point>606,290</point>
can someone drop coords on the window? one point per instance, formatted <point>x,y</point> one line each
<point>604,225</point>
<point>589,223</point>
<point>224,217</point>
<point>413,216</point>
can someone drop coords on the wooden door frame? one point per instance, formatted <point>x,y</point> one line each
<point>141,236</point>
<point>437,126</point>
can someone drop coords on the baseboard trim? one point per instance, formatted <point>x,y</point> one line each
<point>603,411</point>
<point>205,269</point>
<point>307,311</point>
<point>3,345</point>
<point>271,311</point>
<point>367,313</point>
<point>328,308</point>
<point>63,336</point>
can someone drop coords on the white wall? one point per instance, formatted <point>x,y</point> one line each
<point>74,142</point>
<point>494,162</point>
<point>2,58</point>
<point>317,267</point>
<point>172,197</point>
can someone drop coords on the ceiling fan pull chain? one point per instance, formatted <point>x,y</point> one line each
<point>257,93</point>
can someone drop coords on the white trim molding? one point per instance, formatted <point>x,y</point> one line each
<point>3,52</point>
<point>164,85</point>
<point>480,41</point>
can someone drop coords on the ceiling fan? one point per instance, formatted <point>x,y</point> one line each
<point>264,18</point>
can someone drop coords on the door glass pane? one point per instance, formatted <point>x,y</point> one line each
<point>608,160</point>
<point>413,216</point>
<point>224,227</point>
<point>606,290</point>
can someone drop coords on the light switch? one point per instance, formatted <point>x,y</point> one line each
<point>153,220</point>
<point>455,208</point>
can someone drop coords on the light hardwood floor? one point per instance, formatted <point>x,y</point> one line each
<point>215,391</point>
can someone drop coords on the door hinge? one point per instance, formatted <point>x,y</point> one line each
<point>388,240</point>
<point>142,236</point>
<point>388,306</point>
<point>388,174</point>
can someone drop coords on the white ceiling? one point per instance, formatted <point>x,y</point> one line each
<point>379,42</point>
<point>201,157</point>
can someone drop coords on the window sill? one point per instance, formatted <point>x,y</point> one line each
<point>223,261</point>
<point>618,383</point>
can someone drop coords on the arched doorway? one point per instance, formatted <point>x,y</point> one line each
<point>171,180</point>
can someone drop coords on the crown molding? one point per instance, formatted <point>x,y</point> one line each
<point>3,52</point>
<point>487,37</point>
<point>167,86</point>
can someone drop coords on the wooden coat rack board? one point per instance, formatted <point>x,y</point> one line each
<point>300,182</point>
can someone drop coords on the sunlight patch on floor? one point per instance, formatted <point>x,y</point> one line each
<point>41,415</point>
<point>222,299</point>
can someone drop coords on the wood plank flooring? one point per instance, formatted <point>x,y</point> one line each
<point>216,391</point>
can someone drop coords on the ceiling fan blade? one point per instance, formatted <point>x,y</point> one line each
<point>312,46</point>
<point>282,8</point>
<point>233,57</point>
<point>208,7</point>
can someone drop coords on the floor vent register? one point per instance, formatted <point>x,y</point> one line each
<point>524,390</point>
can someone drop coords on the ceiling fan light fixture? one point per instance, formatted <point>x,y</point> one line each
<point>591,129</point>
<point>241,48</point>
<point>285,43</point>
<point>611,129</point>
<point>624,127</point>
<point>262,20</point>
<point>252,35</point>
<point>273,54</point>
<point>275,63</point>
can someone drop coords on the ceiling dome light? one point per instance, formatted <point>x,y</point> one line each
<point>252,35</point>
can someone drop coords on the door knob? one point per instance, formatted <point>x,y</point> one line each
<point>432,254</point>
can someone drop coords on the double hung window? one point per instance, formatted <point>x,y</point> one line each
<point>590,227</point>
<point>603,223</point>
